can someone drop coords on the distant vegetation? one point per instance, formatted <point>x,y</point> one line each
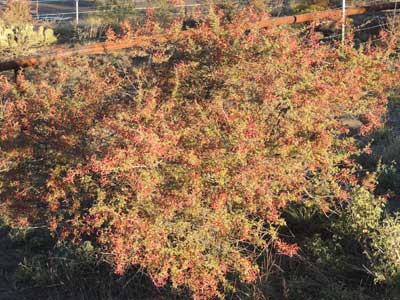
<point>232,164</point>
<point>18,32</point>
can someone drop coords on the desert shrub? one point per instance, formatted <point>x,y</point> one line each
<point>19,33</point>
<point>378,234</point>
<point>119,10</point>
<point>376,231</point>
<point>16,12</point>
<point>386,256</point>
<point>344,255</point>
<point>315,5</point>
<point>35,265</point>
<point>311,288</point>
<point>344,243</point>
<point>182,166</point>
<point>364,212</point>
<point>116,10</point>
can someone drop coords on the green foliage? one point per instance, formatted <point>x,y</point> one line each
<point>34,265</point>
<point>386,255</point>
<point>18,34</point>
<point>116,10</point>
<point>12,38</point>
<point>164,11</point>
<point>356,243</point>
<point>314,5</point>
<point>377,233</point>
<point>364,212</point>
<point>309,288</point>
<point>328,253</point>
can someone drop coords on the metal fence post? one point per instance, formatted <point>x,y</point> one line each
<point>77,11</point>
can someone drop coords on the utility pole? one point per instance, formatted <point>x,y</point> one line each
<point>37,9</point>
<point>343,20</point>
<point>77,11</point>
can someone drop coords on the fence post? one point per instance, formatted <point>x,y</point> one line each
<point>343,20</point>
<point>77,11</point>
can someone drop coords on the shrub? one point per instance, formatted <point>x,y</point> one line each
<point>377,232</point>
<point>364,212</point>
<point>16,12</point>
<point>18,32</point>
<point>386,255</point>
<point>183,166</point>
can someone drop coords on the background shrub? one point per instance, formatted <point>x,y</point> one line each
<point>182,166</point>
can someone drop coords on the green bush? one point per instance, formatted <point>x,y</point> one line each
<point>386,252</point>
<point>18,32</point>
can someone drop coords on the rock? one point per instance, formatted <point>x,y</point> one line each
<point>351,123</point>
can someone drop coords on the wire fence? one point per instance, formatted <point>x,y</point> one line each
<point>376,22</point>
<point>61,10</point>
<point>78,11</point>
<point>276,7</point>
